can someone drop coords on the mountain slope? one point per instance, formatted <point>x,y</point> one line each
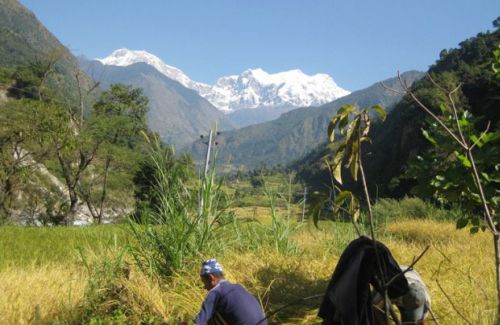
<point>251,116</point>
<point>177,113</point>
<point>23,40</point>
<point>295,133</point>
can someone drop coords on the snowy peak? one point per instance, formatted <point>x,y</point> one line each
<point>257,88</point>
<point>124,57</point>
<point>253,88</point>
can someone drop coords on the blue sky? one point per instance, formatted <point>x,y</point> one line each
<point>356,42</point>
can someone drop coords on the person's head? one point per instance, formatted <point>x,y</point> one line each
<point>211,273</point>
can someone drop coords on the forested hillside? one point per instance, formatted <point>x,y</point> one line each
<point>25,41</point>
<point>398,142</point>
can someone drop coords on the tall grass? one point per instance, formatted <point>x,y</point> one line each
<point>103,291</point>
<point>176,230</point>
<point>282,227</point>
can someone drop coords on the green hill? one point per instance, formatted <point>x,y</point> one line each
<point>398,141</point>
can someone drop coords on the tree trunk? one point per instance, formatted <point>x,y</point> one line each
<point>104,188</point>
<point>496,238</point>
<point>73,204</point>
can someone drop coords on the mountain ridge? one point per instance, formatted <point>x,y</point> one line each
<point>254,88</point>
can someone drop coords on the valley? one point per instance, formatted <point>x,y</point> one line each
<point>119,174</point>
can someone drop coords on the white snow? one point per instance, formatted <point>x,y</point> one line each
<point>251,89</point>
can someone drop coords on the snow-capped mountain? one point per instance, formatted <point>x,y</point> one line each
<point>252,89</point>
<point>125,57</point>
<point>257,88</point>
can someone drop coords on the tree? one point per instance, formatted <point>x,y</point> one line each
<point>355,125</point>
<point>74,151</point>
<point>22,143</point>
<point>29,79</point>
<point>356,133</point>
<point>118,118</point>
<point>456,141</point>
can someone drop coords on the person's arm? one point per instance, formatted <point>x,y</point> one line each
<point>207,308</point>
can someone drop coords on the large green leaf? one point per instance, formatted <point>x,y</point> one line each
<point>346,109</point>
<point>354,208</point>
<point>337,165</point>
<point>352,131</point>
<point>343,122</point>
<point>341,197</point>
<point>380,110</point>
<point>331,131</point>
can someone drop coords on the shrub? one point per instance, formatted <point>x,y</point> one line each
<point>389,209</point>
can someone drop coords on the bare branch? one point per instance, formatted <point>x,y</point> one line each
<point>409,268</point>
<point>428,111</point>
<point>436,84</point>
<point>392,89</point>
<point>486,208</point>
<point>434,318</point>
<point>455,115</point>
<point>481,136</point>
<point>94,86</point>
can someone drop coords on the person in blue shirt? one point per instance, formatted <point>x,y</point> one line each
<point>226,303</point>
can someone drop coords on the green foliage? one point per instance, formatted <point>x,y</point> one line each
<point>174,230</point>
<point>386,210</point>
<point>102,294</point>
<point>496,62</point>
<point>356,132</point>
<point>355,125</point>
<point>26,41</point>
<point>96,160</point>
<point>127,105</point>
<point>5,77</point>
<point>445,172</point>
<point>29,79</point>
<point>161,165</point>
<point>118,118</point>
<point>25,132</point>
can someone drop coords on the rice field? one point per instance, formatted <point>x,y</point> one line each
<point>62,275</point>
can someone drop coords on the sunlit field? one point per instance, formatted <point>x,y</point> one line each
<point>75,275</point>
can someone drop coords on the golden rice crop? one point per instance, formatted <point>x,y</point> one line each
<point>458,269</point>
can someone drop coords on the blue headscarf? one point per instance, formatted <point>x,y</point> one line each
<point>210,266</point>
